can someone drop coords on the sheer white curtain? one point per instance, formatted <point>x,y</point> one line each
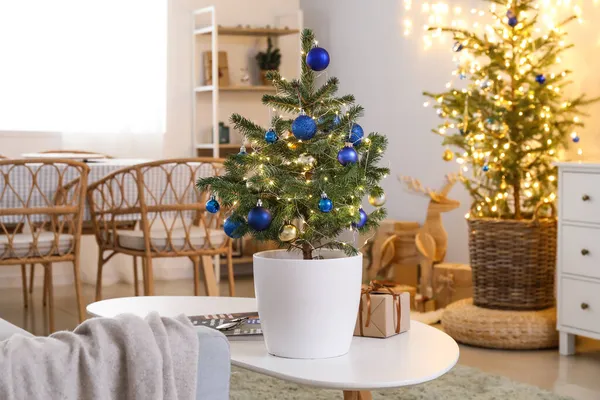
<point>83,66</point>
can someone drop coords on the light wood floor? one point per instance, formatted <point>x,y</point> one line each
<point>577,376</point>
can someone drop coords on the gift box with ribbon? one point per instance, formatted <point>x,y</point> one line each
<point>452,282</point>
<point>383,310</point>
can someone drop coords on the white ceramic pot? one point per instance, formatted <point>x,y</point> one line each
<point>307,308</point>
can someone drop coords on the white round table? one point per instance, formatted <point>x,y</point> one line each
<point>419,355</point>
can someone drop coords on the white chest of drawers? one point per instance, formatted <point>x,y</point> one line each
<point>578,258</point>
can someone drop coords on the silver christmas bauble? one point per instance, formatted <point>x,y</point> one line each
<point>288,233</point>
<point>377,201</point>
<point>306,159</point>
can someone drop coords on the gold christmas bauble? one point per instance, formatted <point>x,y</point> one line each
<point>448,155</point>
<point>377,201</point>
<point>288,233</point>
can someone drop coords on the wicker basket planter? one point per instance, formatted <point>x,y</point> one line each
<point>513,262</point>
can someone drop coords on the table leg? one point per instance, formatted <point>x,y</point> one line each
<point>357,395</point>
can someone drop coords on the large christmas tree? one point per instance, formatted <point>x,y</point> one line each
<point>510,117</point>
<point>304,181</point>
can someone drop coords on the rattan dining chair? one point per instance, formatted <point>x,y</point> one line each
<point>174,221</point>
<point>40,219</point>
<point>85,227</point>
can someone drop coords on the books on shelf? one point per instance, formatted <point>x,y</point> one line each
<point>243,326</point>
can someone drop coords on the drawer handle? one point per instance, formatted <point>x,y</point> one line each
<point>585,252</point>
<point>585,306</point>
<point>585,197</point>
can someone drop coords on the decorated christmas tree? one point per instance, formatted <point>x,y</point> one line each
<point>303,183</point>
<point>509,117</point>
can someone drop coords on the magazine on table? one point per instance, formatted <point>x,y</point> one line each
<point>236,326</point>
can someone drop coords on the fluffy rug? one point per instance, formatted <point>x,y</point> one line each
<point>462,383</point>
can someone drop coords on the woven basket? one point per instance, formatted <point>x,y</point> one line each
<point>513,262</point>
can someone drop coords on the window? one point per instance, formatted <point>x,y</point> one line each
<point>83,66</point>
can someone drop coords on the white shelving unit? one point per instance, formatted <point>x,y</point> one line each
<point>285,25</point>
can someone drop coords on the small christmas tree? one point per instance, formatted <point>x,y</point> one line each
<point>304,182</point>
<point>511,119</point>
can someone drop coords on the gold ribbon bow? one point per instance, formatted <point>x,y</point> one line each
<point>378,287</point>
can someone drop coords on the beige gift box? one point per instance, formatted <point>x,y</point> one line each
<point>382,315</point>
<point>452,282</point>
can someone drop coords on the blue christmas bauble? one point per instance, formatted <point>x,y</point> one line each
<point>362,219</point>
<point>304,127</point>
<point>576,139</point>
<point>230,227</point>
<point>337,120</point>
<point>242,151</point>
<point>271,136</point>
<point>347,155</point>
<point>356,134</point>
<point>325,204</point>
<point>513,21</point>
<point>317,59</point>
<point>462,75</point>
<point>463,132</point>
<point>458,46</point>
<point>212,205</point>
<point>259,218</point>
<point>540,78</point>
<point>486,168</point>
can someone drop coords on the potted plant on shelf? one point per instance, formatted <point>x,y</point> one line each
<point>268,61</point>
<point>301,188</point>
<point>509,119</point>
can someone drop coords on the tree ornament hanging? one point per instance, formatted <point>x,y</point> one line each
<point>259,218</point>
<point>486,168</point>
<point>231,228</point>
<point>271,136</point>
<point>288,233</point>
<point>304,127</point>
<point>575,139</point>
<point>512,18</point>
<point>540,78</point>
<point>448,155</point>
<point>242,151</point>
<point>347,155</point>
<point>356,134</point>
<point>317,59</point>
<point>377,201</point>
<point>306,160</point>
<point>212,205</point>
<point>336,121</point>
<point>362,219</point>
<point>325,204</point>
<point>485,84</point>
<point>458,46</point>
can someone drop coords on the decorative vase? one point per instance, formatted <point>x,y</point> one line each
<point>307,308</point>
<point>263,77</point>
<point>513,262</point>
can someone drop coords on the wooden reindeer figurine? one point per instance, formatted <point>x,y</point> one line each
<point>432,239</point>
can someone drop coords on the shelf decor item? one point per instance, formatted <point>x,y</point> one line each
<point>222,65</point>
<point>269,60</point>
<point>293,192</point>
<point>223,133</point>
<point>509,119</point>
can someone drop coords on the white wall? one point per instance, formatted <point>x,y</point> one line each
<point>387,73</point>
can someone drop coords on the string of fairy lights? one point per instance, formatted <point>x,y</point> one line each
<point>441,13</point>
<point>485,20</point>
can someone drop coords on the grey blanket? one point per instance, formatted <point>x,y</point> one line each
<point>125,357</point>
